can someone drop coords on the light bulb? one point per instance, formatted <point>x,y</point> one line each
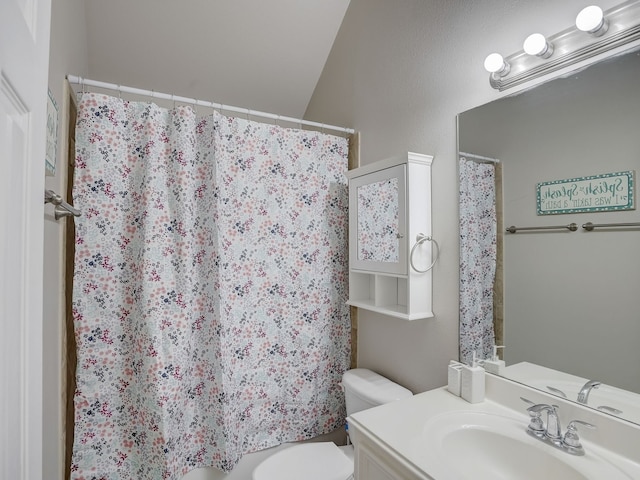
<point>494,63</point>
<point>536,44</point>
<point>591,20</point>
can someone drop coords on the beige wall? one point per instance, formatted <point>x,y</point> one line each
<point>68,55</point>
<point>399,73</point>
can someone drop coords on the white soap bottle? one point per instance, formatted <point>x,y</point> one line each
<point>472,388</point>
<point>494,364</point>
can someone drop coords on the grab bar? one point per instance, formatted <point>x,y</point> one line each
<point>590,226</point>
<point>572,226</point>
<point>63,209</point>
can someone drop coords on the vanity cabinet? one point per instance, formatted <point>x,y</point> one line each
<point>389,208</point>
<point>376,461</point>
<point>373,463</point>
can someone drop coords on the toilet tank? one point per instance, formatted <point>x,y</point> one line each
<point>364,389</point>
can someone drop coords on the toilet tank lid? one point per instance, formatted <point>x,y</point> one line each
<point>371,386</point>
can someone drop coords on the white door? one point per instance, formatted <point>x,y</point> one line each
<point>24,60</point>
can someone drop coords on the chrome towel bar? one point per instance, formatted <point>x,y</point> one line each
<point>590,226</point>
<point>63,209</point>
<point>572,227</point>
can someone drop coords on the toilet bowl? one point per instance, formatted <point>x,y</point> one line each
<point>308,461</point>
<point>324,460</point>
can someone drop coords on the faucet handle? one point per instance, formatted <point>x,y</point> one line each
<point>557,391</point>
<point>571,440</point>
<point>542,407</point>
<point>536,426</point>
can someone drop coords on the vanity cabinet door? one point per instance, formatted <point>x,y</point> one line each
<point>378,221</point>
<point>371,468</point>
<point>377,462</point>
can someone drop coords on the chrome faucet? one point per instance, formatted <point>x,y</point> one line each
<point>552,433</point>
<point>583,396</point>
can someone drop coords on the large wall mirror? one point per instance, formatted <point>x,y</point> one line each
<point>571,298</point>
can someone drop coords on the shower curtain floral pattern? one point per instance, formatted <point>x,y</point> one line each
<point>209,290</point>
<point>477,258</point>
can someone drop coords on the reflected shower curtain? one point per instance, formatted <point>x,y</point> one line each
<point>209,290</point>
<point>477,258</point>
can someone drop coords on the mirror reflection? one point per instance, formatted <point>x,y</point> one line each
<point>571,298</point>
<point>378,221</point>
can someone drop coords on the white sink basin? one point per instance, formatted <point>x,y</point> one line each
<point>476,445</point>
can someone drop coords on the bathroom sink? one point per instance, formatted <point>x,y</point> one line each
<point>478,445</point>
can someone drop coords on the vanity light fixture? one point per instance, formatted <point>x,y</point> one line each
<point>592,20</point>
<point>609,30</point>
<point>495,64</point>
<point>536,44</point>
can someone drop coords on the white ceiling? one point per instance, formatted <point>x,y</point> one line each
<point>260,54</point>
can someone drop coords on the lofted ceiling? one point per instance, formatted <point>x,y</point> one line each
<point>264,55</point>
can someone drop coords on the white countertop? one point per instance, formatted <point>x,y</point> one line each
<point>400,426</point>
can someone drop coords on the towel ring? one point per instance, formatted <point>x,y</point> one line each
<point>420,239</point>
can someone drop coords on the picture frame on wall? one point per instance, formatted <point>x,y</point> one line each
<point>607,192</point>
<point>52,135</point>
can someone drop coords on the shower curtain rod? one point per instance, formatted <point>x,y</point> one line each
<point>203,103</point>
<point>478,157</point>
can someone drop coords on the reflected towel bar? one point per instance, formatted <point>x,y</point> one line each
<point>572,227</point>
<point>590,226</point>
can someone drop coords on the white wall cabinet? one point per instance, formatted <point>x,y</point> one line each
<point>389,207</point>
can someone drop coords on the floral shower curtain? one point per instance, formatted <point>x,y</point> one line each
<point>209,290</point>
<point>477,258</point>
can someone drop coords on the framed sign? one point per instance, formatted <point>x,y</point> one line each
<point>598,193</point>
<point>52,135</point>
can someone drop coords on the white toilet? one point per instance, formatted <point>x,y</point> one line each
<point>324,460</point>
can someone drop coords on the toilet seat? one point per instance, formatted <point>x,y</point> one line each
<point>309,461</point>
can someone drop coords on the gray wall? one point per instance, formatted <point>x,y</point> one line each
<point>399,73</point>
<point>570,297</point>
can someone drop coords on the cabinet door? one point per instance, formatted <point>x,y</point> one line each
<point>373,463</point>
<point>377,221</point>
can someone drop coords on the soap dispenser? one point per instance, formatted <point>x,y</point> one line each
<point>494,364</point>
<point>472,388</point>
